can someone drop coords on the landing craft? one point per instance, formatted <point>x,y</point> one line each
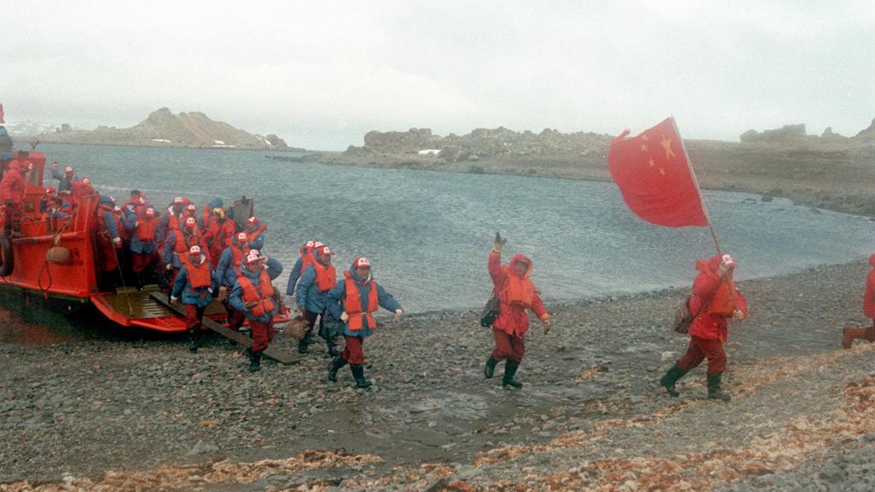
<point>63,265</point>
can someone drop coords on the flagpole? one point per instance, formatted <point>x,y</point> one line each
<point>696,182</point>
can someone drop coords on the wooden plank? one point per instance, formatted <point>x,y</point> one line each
<point>277,355</point>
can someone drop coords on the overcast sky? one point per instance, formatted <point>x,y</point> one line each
<point>322,74</point>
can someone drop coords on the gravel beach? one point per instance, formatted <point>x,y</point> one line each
<point>139,412</point>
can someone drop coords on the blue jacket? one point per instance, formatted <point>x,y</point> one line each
<point>64,183</point>
<point>200,297</point>
<point>236,298</point>
<point>137,246</point>
<point>226,270</point>
<point>308,295</point>
<point>111,226</point>
<point>170,255</point>
<point>164,224</point>
<point>337,295</point>
<point>293,277</point>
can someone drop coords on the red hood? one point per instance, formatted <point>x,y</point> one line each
<point>712,265</point>
<point>520,257</point>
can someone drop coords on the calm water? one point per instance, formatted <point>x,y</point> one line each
<point>428,233</point>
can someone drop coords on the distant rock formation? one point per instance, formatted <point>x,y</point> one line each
<point>163,128</point>
<point>480,143</point>
<point>795,134</point>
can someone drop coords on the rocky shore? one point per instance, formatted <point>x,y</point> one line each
<point>139,412</point>
<point>827,171</point>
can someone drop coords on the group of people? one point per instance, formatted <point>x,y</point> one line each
<point>205,254</point>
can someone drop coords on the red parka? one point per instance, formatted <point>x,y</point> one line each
<point>512,318</point>
<point>13,185</point>
<point>705,286</point>
<point>869,295</point>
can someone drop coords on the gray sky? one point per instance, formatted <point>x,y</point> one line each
<point>322,74</point>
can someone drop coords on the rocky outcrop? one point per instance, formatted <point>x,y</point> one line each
<point>786,134</point>
<point>480,143</point>
<point>163,128</point>
<point>867,135</point>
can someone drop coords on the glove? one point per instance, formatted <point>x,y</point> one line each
<point>344,317</point>
<point>499,242</point>
<point>738,314</point>
<point>223,294</point>
<point>169,267</point>
<point>173,300</point>
<point>547,324</point>
<point>210,290</point>
<point>250,304</point>
<point>117,242</point>
<point>398,314</point>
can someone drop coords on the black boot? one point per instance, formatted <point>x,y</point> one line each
<point>255,361</point>
<point>714,391</point>
<point>332,347</point>
<point>510,368</point>
<point>194,338</point>
<point>489,368</point>
<point>672,377</point>
<point>305,342</point>
<point>358,372</point>
<point>335,366</point>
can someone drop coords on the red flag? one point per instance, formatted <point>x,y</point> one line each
<point>655,177</point>
<point>1,114</point>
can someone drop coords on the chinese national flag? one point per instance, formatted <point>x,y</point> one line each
<point>655,178</point>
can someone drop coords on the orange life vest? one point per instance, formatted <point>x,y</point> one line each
<point>517,291</point>
<point>238,254</point>
<point>307,259</point>
<point>198,275</point>
<point>146,230</point>
<point>253,236</point>
<point>263,294</point>
<point>352,303</point>
<point>183,244</point>
<point>326,277</point>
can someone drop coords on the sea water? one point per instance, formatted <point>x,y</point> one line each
<point>428,234</point>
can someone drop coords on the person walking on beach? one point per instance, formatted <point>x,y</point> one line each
<point>311,298</point>
<point>253,296</point>
<point>515,293</point>
<point>195,283</point>
<point>227,270</point>
<point>714,300</point>
<point>864,332</point>
<point>353,302</point>
<point>301,264</point>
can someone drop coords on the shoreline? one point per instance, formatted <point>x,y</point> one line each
<point>841,181</point>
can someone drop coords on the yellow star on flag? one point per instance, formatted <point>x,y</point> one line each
<point>666,144</point>
<point>644,147</point>
<point>651,162</point>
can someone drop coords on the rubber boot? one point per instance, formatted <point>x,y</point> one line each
<point>670,378</point>
<point>255,361</point>
<point>714,391</point>
<point>358,372</point>
<point>335,366</point>
<point>303,344</point>
<point>851,334</point>
<point>489,368</point>
<point>510,368</point>
<point>194,338</point>
<point>870,334</point>
<point>332,346</point>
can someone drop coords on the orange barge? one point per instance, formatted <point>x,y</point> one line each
<point>26,264</point>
